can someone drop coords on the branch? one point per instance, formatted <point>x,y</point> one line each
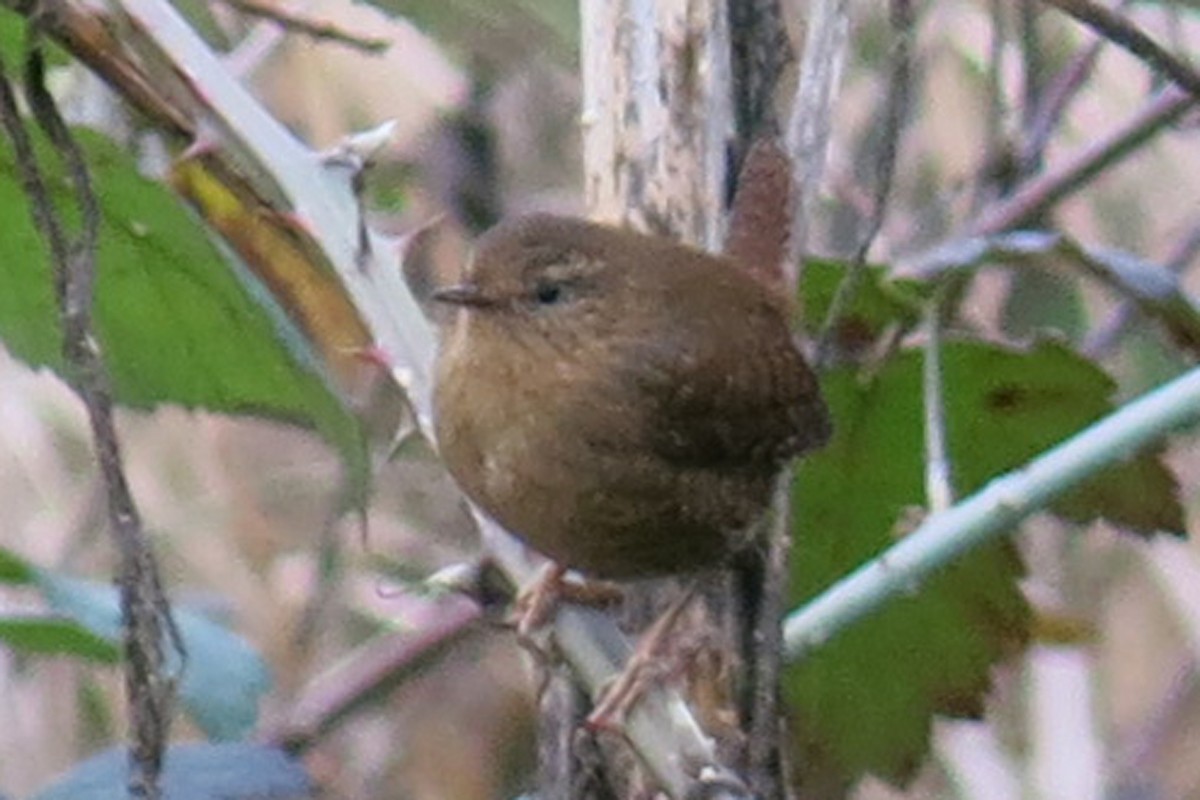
<point>1125,34</point>
<point>193,95</point>
<point>896,108</point>
<point>374,669</point>
<point>1155,290</point>
<point>1038,195</point>
<point>296,22</point>
<point>148,629</point>
<point>992,512</point>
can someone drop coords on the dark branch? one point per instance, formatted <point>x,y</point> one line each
<point>145,614</point>
<point>1125,34</point>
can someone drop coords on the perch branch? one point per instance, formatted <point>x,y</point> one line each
<point>198,99</point>
<point>997,508</point>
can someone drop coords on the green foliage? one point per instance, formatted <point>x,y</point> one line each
<point>14,40</point>
<point>864,702</point>
<point>878,304</point>
<point>1039,301</point>
<point>193,772</point>
<point>176,323</point>
<point>47,635</point>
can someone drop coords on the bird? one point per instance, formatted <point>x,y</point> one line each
<point>621,402</point>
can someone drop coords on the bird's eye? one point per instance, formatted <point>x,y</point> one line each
<point>547,294</point>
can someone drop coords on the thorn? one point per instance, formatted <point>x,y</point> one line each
<point>201,145</point>
<point>404,434</point>
<point>357,150</point>
<point>298,222</point>
<point>372,354</point>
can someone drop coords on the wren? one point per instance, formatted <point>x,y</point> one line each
<point>620,401</point>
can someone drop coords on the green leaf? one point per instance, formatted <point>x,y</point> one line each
<point>41,635</point>
<point>864,702</point>
<point>878,303</point>
<point>14,41</point>
<point>12,36</point>
<point>1041,300</point>
<point>192,772</point>
<point>177,324</point>
<point>223,678</point>
<point>14,569</point>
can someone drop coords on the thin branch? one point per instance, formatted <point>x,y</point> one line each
<point>146,617</point>
<point>1156,291</point>
<point>984,185</point>
<point>1053,102</point>
<point>1033,60</point>
<point>939,486</point>
<point>373,670</point>
<point>992,512</point>
<point>1038,195</point>
<point>1041,122</point>
<point>296,22</point>
<point>1125,34</point>
<point>1109,334</point>
<point>896,107</point>
<point>760,51</point>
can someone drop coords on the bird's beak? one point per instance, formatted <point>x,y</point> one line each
<point>462,294</point>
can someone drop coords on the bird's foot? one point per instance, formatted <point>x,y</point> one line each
<point>536,603</point>
<point>645,666</point>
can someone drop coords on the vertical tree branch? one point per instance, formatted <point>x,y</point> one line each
<point>896,108</point>
<point>145,613</point>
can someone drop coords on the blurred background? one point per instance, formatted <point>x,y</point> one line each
<point>245,512</point>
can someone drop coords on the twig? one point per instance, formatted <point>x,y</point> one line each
<point>1039,194</point>
<point>992,512</point>
<point>374,669</point>
<point>146,616</point>
<point>1107,335</point>
<point>1125,34</point>
<point>939,487</point>
<point>896,106</point>
<point>984,185</point>
<point>1041,122</point>
<point>1156,291</point>
<point>1033,62</point>
<point>296,22</point>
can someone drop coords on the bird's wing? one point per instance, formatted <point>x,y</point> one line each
<point>731,396</point>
